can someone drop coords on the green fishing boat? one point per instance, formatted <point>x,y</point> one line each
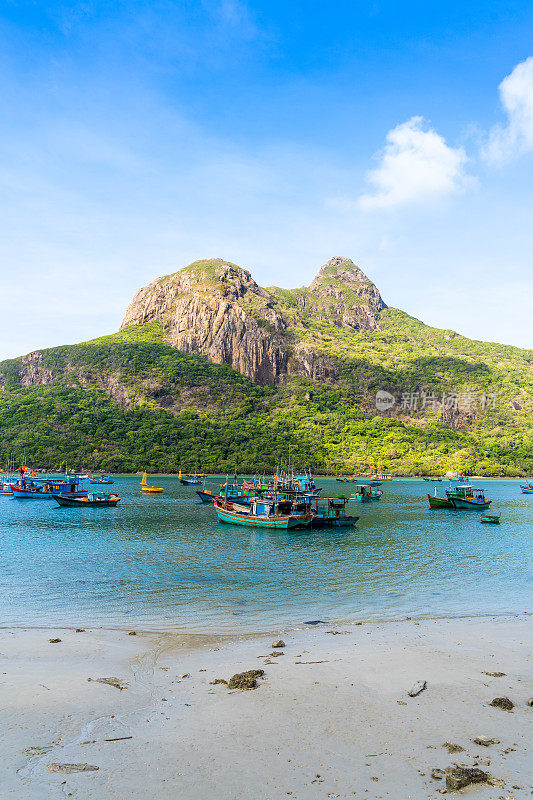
<point>465,497</point>
<point>438,502</point>
<point>366,494</point>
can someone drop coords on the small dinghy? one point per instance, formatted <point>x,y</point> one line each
<point>491,519</point>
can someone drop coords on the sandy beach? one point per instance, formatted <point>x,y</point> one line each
<point>331,718</point>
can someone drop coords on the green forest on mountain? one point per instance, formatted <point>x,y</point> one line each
<point>130,401</point>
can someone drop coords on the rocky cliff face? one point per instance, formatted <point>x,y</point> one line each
<point>215,309</point>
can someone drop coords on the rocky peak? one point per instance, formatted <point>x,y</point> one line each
<point>339,277</point>
<point>350,298</point>
<point>215,309</point>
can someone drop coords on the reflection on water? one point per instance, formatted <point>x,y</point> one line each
<point>164,561</point>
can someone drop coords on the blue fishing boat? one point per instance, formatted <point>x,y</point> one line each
<point>191,479</point>
<point>527,487</point>
<point>102,480</point>
<point>47,489</point>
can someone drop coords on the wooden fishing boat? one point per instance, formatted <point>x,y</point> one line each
<point>146,488</point>
<point>231,491</point>
<point>331,512</point>
<point>527,487</point>
<point>103,479</point>
<point>261,514</point>
<point>206,495</point>
<point>438,502</point>
<point>25,489</point>
<point>5,489</point>
<point>366,494</point>
<point>93,499</point>
<point>465,497</point>
<point>190,479</point>
<point>491,519</point>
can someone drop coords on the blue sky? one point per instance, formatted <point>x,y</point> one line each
<point>137,137</point>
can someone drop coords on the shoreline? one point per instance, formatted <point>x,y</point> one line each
<point>331,718</point>
<point>280,629</point>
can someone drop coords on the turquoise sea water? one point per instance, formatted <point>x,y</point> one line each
<point>165,562</point>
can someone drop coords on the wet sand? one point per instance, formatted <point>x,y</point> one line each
<point>331,718</point>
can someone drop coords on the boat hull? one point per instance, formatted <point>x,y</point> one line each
<point>283,522</point>
<point>472,505</point>
<point>333,522</point>
<point>23,494</point>
<point>206,497</point>
<point>80,502</point>
<point>438,502</point>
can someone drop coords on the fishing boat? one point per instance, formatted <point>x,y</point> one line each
<point>103,479</point>
<point>366,494</point>
<point>47,489</point>
<point>5,484</point>
<point>527,487</point>
<point>93,499</point>
<point>191,479</point>
<point>438,502</point>
<point>206,495</point>
<point>433,480</point>
<point>231,491</point>
<point>146,488</point>
<point>491,519</point>
<point>465,497</point>
<point>330,512</point>
<point>261,513</point>
<point>383,476</point>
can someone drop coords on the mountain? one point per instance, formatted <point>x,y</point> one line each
<point>215,309</point>
<point>210,370</point>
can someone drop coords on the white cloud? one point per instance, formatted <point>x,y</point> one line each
<point>416,165</point>
<point>516,94</point>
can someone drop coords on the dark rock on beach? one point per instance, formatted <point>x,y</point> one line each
<point>503,702</point>
<point>437,774</point>
<point>459,777</point>
<point>217,681</point>
<point>279,643</point>
<point>418,687</point>
<point>246,680</point>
